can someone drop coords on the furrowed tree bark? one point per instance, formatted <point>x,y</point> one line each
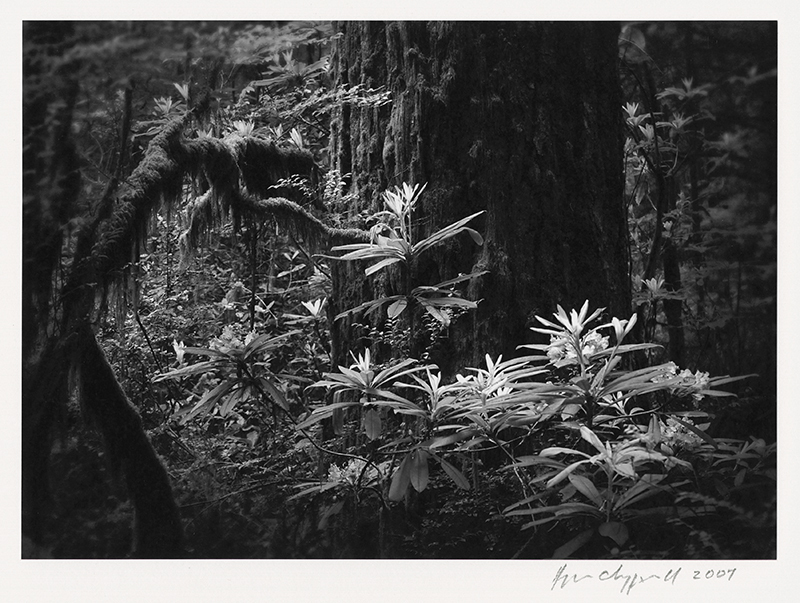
<point>522,120</point>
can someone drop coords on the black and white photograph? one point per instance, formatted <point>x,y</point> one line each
<point>448,291</point>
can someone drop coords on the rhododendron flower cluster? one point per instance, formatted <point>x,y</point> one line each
<point>562,347</point>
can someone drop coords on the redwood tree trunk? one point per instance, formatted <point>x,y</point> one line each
<point>522,120</point>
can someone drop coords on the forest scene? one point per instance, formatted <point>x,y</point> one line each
<point>399,290</point>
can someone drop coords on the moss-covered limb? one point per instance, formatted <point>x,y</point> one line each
<point>227,165</point>
<point>263,163</point>
<point>159,176</point>
<point>256,163</point>
<point>103,208</point>
<point>215,158</point>
<point>300,222</point>
<point>157,528</point>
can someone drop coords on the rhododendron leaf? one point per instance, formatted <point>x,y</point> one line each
<point>372,424</point>
<point>615,530</point>
<point>397,490</point>
<point>419,470</point>
<point>397,308</point>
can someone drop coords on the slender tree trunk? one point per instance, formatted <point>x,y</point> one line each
<point>522,120</point>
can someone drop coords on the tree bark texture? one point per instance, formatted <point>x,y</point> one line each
<point>522,120</point>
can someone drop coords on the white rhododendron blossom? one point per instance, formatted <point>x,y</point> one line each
<point>669,372</point>
<point>350,473</point>
<point>314,307</point>
<point>491,382</point>
<point>226,342</point>
<point>667,438</point>
<point>558,348</point>
<point>561,347</point>
<point>679,436</point>
<point>697,380</point>
<point>686,381</point>
<point>593,343</point>
<point>180,350</point>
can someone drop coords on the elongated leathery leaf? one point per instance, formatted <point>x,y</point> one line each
<point>400,480</point>
<point>419,470</point>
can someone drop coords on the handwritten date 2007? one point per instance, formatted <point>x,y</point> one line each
<point>630,580</point>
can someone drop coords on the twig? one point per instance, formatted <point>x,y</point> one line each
<point>149,343</point>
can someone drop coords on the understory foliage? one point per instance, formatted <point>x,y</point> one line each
<point>701,190</point>
<point>210,235</point>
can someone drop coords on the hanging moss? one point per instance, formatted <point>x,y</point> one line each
<point>204,213</point>
<point>215,159</point>
<point>263,163</point>
<point>158,177</point>
<point>242,170</point>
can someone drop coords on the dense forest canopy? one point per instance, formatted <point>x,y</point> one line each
<point>399,289</point>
